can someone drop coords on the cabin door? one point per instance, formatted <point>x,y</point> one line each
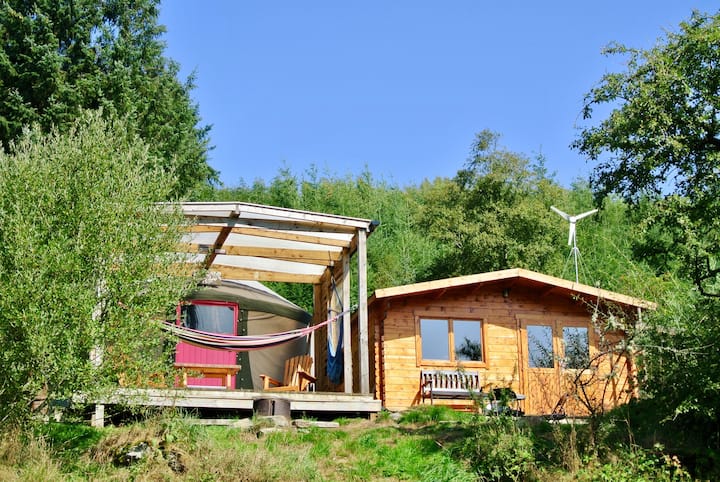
<point>554,354</point>
<point>212,317</point>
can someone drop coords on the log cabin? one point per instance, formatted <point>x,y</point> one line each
<point>564,346</point>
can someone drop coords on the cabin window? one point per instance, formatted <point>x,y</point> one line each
<point>577,347</point>
<point>540,346</point>
<point>450,340</point>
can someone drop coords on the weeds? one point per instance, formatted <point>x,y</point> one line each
<point>421,446</point>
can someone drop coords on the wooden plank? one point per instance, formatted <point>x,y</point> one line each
<point>347,328</point>
<point>243,400</point>
<point>312,256</point>
<point>275,234</point>
<point>231,272</point>
<point>363,342</point>
<point>219,241</point>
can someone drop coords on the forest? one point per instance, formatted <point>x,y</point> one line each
<point>86,158</point>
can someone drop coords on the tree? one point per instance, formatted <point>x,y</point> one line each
<point>662,139</point>
<point>660,149</point>
<point>494,214</point>
<point>58,58</point>
<point>84,262</point>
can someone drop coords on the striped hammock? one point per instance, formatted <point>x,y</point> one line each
<point>221,341</point>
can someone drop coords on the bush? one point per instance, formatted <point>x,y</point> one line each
<point>500,450</point>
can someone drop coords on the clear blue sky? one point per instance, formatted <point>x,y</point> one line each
<point>399,86</point>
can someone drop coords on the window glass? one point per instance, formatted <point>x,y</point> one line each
<point>434,336</point>
<point>540,346</point>
<point>210,318</point>
<point>577,347</point>
<point>468,340</point>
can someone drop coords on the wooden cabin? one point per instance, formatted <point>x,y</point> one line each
<point>517,329</point>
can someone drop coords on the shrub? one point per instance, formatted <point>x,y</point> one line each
<point>500,450</point>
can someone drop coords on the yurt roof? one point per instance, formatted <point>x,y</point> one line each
<point>251,296</point>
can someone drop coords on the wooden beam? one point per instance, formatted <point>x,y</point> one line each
<point>363,342</point>
<point>248,211</point>
<point>309,256</point>
<point>273,225</point>
<point>231,272</point>
<point>219,241</point>
<point>273,234</point>
<point>347,326</point>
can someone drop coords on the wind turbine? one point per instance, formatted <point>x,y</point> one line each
<point>572,239</point>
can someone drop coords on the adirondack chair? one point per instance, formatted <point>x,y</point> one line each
<point>297,376</point>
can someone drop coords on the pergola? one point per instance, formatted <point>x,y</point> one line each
<point>243,241</point>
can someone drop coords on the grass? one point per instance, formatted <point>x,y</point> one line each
<point>433,444</point>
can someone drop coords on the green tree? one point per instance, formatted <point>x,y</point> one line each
<point>662,139</point>
<point>659,148</point>
<point>84,262</point>
<point>58,58</point>
<point>494,214</point>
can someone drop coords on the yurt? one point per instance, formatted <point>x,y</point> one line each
<point>242,309</point>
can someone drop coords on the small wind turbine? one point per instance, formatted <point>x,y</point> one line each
<point>572,239</point>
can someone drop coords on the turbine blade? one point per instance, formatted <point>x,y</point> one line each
<point>584,215</point>
<point>566,216</point>
<point>571,234</point>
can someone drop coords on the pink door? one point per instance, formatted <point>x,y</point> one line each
<point>212,317</point>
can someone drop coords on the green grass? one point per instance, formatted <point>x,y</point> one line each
<point>429,444</point>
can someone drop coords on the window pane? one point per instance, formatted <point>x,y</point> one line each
<point>540,346</point>
<point>468,340</point>
<point>577,347</point>
<point>210,318</point>
<point>434,338</point>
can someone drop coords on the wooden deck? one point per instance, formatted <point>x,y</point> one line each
<point>241,400</point>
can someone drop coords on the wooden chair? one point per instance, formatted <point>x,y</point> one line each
<point>297,376</point>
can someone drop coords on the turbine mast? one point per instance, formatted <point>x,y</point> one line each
<point>572,235</point>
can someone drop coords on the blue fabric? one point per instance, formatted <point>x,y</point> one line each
<point>335,356</point>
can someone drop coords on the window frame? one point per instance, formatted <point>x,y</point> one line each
<point>453,361</point>
<point>218,303</point>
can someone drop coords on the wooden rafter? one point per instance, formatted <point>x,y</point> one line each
<point>272,234</point>
<point>310,256</point>
<point>219,241</point>
<point>232,272</point>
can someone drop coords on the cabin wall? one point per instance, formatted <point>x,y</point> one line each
<point>398,367</point>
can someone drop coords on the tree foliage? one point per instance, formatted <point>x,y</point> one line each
<point>662,139</point>
<point>83,261</point>
<point>660,149</point>
<point>58,58</point>
<point>494,214</point>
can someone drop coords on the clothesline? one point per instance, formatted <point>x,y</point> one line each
<point>222,341</point>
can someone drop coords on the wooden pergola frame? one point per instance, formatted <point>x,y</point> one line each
<point>243,241</point>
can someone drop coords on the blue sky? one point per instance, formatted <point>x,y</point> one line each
<point>399,87</point>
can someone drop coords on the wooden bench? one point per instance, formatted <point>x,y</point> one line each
<point>461,384</point>
<point>224,372</point>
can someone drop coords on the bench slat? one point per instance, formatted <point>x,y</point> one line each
<point>449,384</point>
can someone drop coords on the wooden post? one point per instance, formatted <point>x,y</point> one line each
<point>363,341</point>
<point>347,326</point>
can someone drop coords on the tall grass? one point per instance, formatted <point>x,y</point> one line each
<point>429,444</point>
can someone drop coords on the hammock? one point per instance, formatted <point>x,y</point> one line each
<point>221,341</point>
<point>335,358</point>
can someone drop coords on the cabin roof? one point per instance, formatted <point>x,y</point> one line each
<point>244,241</point>
<point>551,283</point>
